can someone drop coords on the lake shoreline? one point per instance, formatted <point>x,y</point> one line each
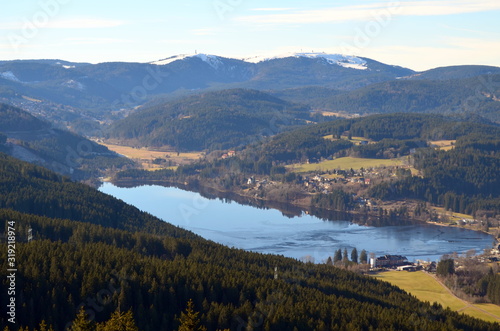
<point>293,207</point>
<point>264,228</point>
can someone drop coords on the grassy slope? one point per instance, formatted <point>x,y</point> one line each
<point>346,163</point>
<point>427,288</point>
<point>145,156</point>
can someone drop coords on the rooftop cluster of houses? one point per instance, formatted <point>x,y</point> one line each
<point>365,202</point>
<point>323,183</point>
<point>228,154</point>
<point>258,183</point>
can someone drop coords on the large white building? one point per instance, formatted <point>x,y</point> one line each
<point>388,261</point>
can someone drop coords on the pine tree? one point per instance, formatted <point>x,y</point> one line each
<point>345,257</point>
<point>363,257</point>
<point>81,322</point>
<point>119,322</point>
<point>354,255</point>
<point>44,327</point>
<point>338,256</point>
<point>445,267</point>
<point>189,319</point>
<point>329,261</point>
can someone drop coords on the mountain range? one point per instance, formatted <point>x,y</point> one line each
<point>84,96</point>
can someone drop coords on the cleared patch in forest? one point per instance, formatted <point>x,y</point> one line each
<point>444,145</point>
<point>146,157</point>
<point>345,163</point>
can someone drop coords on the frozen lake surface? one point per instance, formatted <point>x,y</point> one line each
<point>269,231</point>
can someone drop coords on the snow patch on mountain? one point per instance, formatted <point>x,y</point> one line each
<point>346,61</point>
<point>9,75</point>
<point>171,59</point>
<point>74,85</point>
<point>213,60</point>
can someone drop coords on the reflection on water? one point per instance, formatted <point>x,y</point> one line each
<point>292,233</point>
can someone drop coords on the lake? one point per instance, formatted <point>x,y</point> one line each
<point>270,231</point>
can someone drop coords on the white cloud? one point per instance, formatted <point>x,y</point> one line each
<point>446,7</point>
<point>75,23</point>
<point>84,23</point>
<point>271,9</point>
<point>477,32</point>
<point>367,11</point>
<point>9,26</point>
<point>95,41</point>
<point>488,47</point>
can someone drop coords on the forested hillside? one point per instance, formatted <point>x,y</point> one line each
<point>14,119</point>
<point>465,179</point>
<point>397,132</point>
<point>213,120</point>
<point>427,92</point>
<point>100,254</point>
<point>37,141</point>
<point>455,72</point>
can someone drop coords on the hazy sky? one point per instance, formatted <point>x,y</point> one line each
<point>415,34</point>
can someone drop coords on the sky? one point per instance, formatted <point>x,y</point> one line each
<point>415,34</point>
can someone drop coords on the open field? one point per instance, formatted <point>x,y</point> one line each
<point>354,140</point>
<point>145,156</point>
<point>337,114</point>
<point>427,288</point>
<point>444,145</point>
<point>31,99</point>
<point>345,163</point>
<point>451,215</point>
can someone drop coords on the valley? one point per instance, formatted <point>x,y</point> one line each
<point>286,159</point>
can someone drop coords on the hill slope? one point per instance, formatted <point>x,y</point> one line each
<point>211,120</point>
<point>36,141</point>
<point>478,95</point>
<point>455,72</point>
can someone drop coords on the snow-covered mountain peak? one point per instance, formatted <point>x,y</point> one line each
<point>346,61</point>
<point>213,60</point>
